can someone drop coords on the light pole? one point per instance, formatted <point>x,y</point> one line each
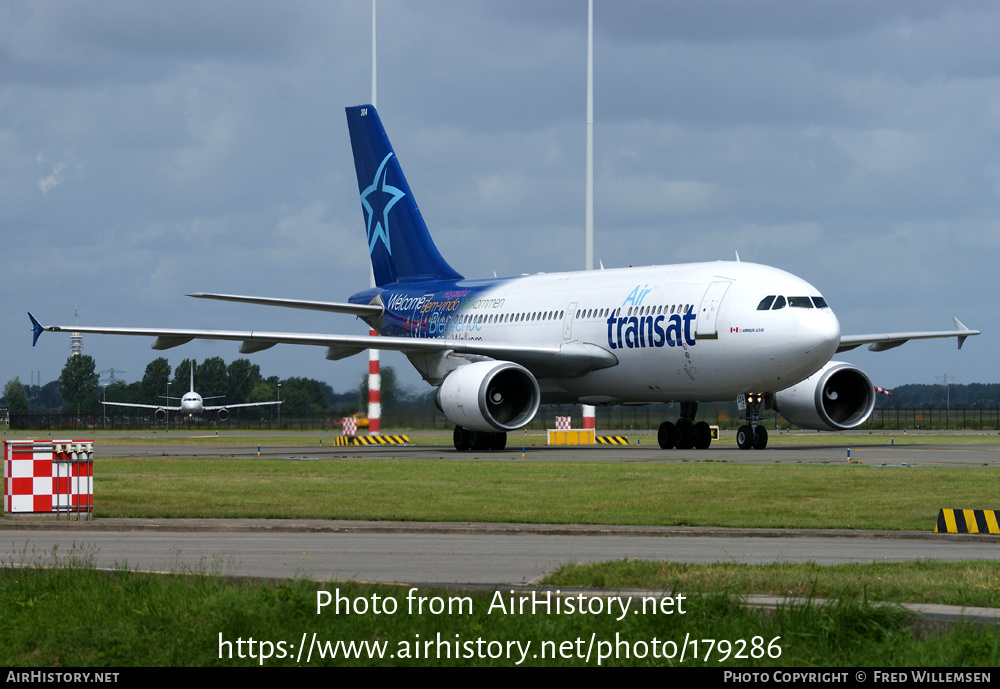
<point>279,406</point>
<point>167,405</point>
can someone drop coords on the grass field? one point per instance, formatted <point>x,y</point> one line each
<point>718,494</point>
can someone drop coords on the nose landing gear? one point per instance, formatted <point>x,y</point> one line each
<point>752,435</point>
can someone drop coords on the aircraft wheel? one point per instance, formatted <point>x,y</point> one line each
<point>479,440</point>
<point>665,436</point>
<point>684,435</point>
<point>498,441</point>
<point>462,440</point>
<point>702,436</point>
<point>744,438</point>
<point>760,438</point>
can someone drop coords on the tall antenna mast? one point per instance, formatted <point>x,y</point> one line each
<point>589,236</point>
<point>75,338</point>
<point>589,412</point>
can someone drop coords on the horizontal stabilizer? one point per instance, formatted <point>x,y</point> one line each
<point>329,306</point>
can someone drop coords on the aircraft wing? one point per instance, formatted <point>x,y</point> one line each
<point>883,341</point>
<point>234,406</point>
<point>331,306</point>
<point>144,406</point>
<point>567,359</point>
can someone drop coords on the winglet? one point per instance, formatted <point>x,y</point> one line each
<point>36,329</point>
<point>961,327</point>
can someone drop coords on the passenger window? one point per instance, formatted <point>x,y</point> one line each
<point>765,303</point>
<point>779,303</point>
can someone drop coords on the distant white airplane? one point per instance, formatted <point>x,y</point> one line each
<point>191,403</point>
<point>497,348</point>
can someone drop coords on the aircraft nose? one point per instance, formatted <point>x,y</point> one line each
<point>823,332</point>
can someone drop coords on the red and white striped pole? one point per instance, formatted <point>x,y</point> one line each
<point>374,391</point>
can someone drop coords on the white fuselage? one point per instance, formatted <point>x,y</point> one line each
<point>192,403</point>
<point>690,332</point>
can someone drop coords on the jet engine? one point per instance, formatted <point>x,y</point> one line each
<point>223,414</point>
<point>489,396</point>
<point>838,397</point>
<point>160,414</point>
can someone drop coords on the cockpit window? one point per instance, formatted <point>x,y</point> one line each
<point>779,303</point>
<point>820,303</point>
<point>765,303</point>
<point>800,302</point>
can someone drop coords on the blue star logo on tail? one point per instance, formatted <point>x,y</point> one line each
<point>383,197</point>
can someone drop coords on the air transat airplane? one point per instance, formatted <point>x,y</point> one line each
<point>498,348</point>
<point>191,403</point>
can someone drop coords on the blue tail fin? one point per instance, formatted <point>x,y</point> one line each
<point>400,246</point>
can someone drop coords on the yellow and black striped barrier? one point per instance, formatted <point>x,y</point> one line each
<point>967,521</point>
<point>371,440</point>
<point>612,440</point>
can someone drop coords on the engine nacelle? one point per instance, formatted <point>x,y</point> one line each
<point>838,397</point>
<point>223,414</point>
<point>160,414</point>
<point>489,396</point>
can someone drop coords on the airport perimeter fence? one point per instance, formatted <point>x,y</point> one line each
<point>619,418</point>
<point>728,418</point>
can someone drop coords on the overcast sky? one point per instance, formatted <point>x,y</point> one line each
<point>148,150</point>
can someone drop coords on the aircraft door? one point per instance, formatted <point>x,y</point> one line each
<point>708,312</point>
<point>568,321</point>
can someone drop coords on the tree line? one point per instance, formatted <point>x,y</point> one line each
<point>951,396</point>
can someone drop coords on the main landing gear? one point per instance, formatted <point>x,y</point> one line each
<point>466,440</point>
<point>685,434</point>
<point>752,435</point>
